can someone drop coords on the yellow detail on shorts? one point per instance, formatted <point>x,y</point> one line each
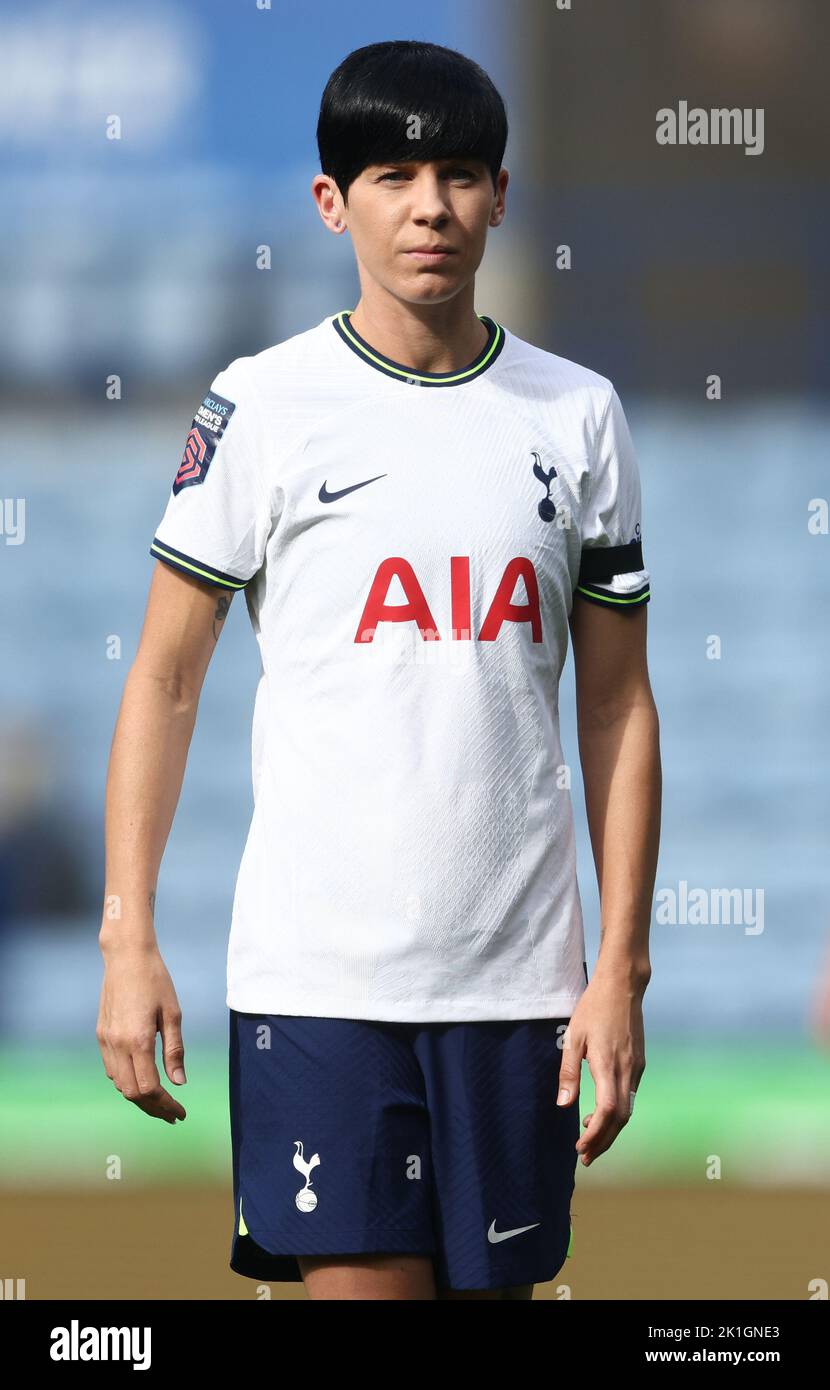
<point>570,1239</point>
<point>243,1229</point>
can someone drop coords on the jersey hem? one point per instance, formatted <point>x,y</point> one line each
<point>255,1001</point>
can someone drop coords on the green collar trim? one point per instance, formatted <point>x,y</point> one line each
<point>486,358</point>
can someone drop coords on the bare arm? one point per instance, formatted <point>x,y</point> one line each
<point>152,736</point>
<point>619,750</point>
<point>619,747</point>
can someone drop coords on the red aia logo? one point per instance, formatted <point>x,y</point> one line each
<point>416,609</point>
<point>195,449</point>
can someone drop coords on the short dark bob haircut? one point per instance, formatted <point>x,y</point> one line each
<point>367,108</point>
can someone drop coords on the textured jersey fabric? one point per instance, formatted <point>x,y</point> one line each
<point>410,546</point>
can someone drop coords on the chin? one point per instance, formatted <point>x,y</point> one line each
<point>432,290</point>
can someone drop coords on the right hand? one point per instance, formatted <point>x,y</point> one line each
<point>137,1000</point>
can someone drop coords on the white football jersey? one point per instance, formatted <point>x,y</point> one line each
<point>410,545</point>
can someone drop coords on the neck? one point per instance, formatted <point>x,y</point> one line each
<point>426,337</point>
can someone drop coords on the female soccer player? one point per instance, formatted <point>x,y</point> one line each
<point>419,505</point>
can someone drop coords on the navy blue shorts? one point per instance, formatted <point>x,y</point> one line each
<point>442,1139</point>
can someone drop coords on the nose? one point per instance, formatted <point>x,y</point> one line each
<point>429,203</point>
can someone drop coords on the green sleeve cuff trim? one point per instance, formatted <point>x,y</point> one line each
<point>188,565</point>
<point>614,598</point>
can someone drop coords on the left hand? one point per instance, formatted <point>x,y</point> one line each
<point>606,1028</point>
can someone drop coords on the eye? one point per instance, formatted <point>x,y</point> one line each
<point>457,172</point>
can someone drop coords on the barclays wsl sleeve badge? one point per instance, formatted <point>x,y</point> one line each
<point>209,424</point>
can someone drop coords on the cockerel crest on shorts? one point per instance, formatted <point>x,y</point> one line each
<point>305,1199</point>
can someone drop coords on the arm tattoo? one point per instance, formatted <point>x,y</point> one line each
<point>222,606</point>
<point>152,902</point>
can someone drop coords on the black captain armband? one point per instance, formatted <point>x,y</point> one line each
<point>599,565</point>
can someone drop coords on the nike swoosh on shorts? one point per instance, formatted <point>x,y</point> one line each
<point>495,1236</point>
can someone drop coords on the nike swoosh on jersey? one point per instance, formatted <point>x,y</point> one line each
<point>326,496</point>
<point>495,1236</point>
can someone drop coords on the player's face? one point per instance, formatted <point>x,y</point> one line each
<point>396,210</point>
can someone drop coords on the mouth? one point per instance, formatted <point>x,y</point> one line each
<point>430,255</point>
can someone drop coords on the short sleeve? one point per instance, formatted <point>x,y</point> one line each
<point>611,569</point>
<point>217,520</point>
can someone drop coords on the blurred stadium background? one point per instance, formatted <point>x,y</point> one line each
<point>138,257</point>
